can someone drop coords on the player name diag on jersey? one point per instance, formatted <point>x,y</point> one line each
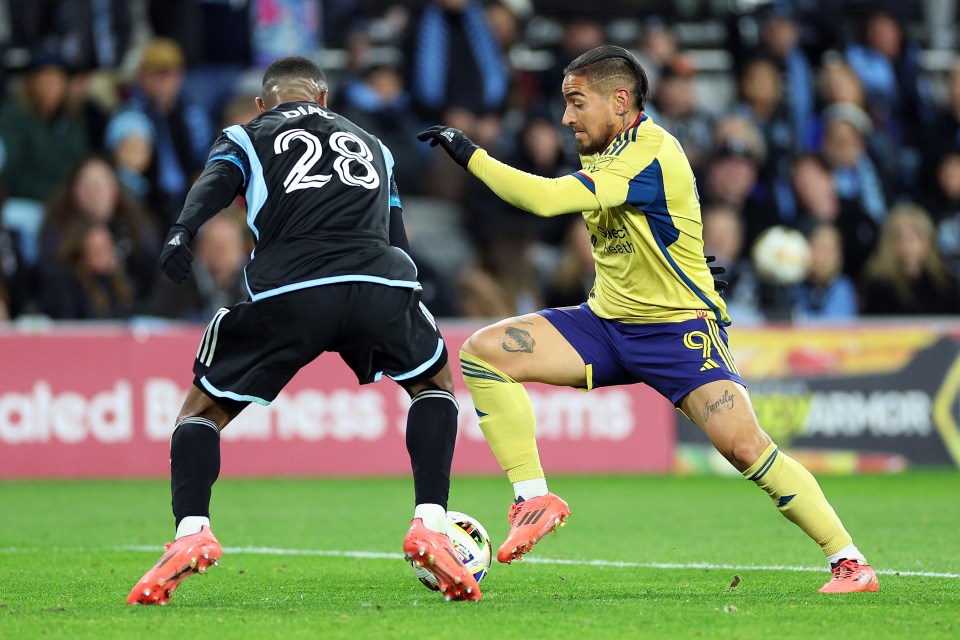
<point>647,233</point>
<point>318,191</point>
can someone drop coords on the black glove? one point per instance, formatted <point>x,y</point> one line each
<point>453,141</point>
<point>716,270</point>
<point>176,256</point>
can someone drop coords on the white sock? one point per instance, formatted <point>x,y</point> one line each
<point>530,488</point>
<point>433,515</point>
<point>850,552</point>
<point>191,525</point>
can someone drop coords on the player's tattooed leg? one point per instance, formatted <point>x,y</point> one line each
<point>516,340</point>
<point>725,401</point>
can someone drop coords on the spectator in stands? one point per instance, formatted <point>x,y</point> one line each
<point>889,68</point>
<point>733,176</point>
<point>943,134</point>
<point>240,109</point>
<point>581,32</point>
<point>839,84</point>
<point>217,277</point>
<point>658,46</point>
<point>827,293</point>
<point>489,220</point>
<point>457,65</point>
<point>377,100</point>
<point>93,194</point>
<point>13,277</point>
<point>505,17</point>
<point>943,203</point>
<point>780,38</point>
<point>816,203</point>
<point>675,109</point>
<point>215,38</point>
<point>181,129</point>
<point>129,142</point>
<point>93,284</point>
<point>570,281</point>
<point>458,76</point>
<point>845,151</point>
<point>761,102</point>
<point>906,274</point>
<point>85,34</point>
<point>724,237</point>
<point>41,141</point>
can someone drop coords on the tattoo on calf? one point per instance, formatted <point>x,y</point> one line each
<point>518,341</point>
<point>725,401</point>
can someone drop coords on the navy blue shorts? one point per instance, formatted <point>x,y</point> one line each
<point>672,357</point>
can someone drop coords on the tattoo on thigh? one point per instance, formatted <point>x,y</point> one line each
<point>725,401</point>
<point>518,341</point>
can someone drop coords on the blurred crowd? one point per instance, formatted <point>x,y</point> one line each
<point>830,127</point>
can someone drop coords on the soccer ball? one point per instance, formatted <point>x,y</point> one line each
<point>470,542</point>
<point>781,256</point>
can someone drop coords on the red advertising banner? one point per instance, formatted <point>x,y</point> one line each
<point>101,402</point>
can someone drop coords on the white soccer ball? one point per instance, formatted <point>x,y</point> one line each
<point>781,255</point>
<point>470,542</point>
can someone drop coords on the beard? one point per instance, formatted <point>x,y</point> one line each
<point>595,144</point>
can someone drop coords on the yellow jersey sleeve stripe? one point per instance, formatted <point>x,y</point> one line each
<point>587,181</point>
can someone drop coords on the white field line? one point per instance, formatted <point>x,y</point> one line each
<point>378,555</point>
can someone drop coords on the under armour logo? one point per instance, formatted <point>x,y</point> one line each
<point>175,241</point>
<point>448,135</point>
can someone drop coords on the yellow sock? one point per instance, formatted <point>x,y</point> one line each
<point>506,418</point>
<point>799,498</point>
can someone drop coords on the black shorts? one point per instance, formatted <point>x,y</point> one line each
<point>250,351</point>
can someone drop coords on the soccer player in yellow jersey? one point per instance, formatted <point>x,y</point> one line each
<point>653,315</point>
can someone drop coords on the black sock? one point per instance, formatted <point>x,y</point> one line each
<point>431,436</point>
<point>194,466</point>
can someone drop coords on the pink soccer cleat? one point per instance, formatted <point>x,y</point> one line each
<point>434,552</point>
<point>186,556</point>
<point>849,576</point>
<point>530,521</point>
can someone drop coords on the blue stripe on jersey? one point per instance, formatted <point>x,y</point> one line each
<point>230,394</point>
<point>426,365</point>
<point>318,282</point>
<point>235,160</point>
<point>587,182</point>
<point>257,186</point>
<point>646,192</point>
<point>388,158</point>
<point>657,231</point>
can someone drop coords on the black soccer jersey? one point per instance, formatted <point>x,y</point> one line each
<point>318,190</point>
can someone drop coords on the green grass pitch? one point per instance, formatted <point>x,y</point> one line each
<point>71,551</point>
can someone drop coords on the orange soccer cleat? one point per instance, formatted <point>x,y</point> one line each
<point>434,552</point>
<point>849,576</point>
<point>531,520</point>
<point>190,554</point>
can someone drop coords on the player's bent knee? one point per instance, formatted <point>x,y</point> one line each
<point>482,344</point>
<point>745,448</point>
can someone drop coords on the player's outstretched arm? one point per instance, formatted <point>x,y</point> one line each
<point>541,196</point>
<point>213,191</point>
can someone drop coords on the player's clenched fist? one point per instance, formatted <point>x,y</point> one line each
<point>176,256</point>
<point>454,142</point>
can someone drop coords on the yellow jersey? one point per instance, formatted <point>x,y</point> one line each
<point>640,204</point>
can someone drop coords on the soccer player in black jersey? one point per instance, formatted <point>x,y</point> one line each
<point>330,272</point>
